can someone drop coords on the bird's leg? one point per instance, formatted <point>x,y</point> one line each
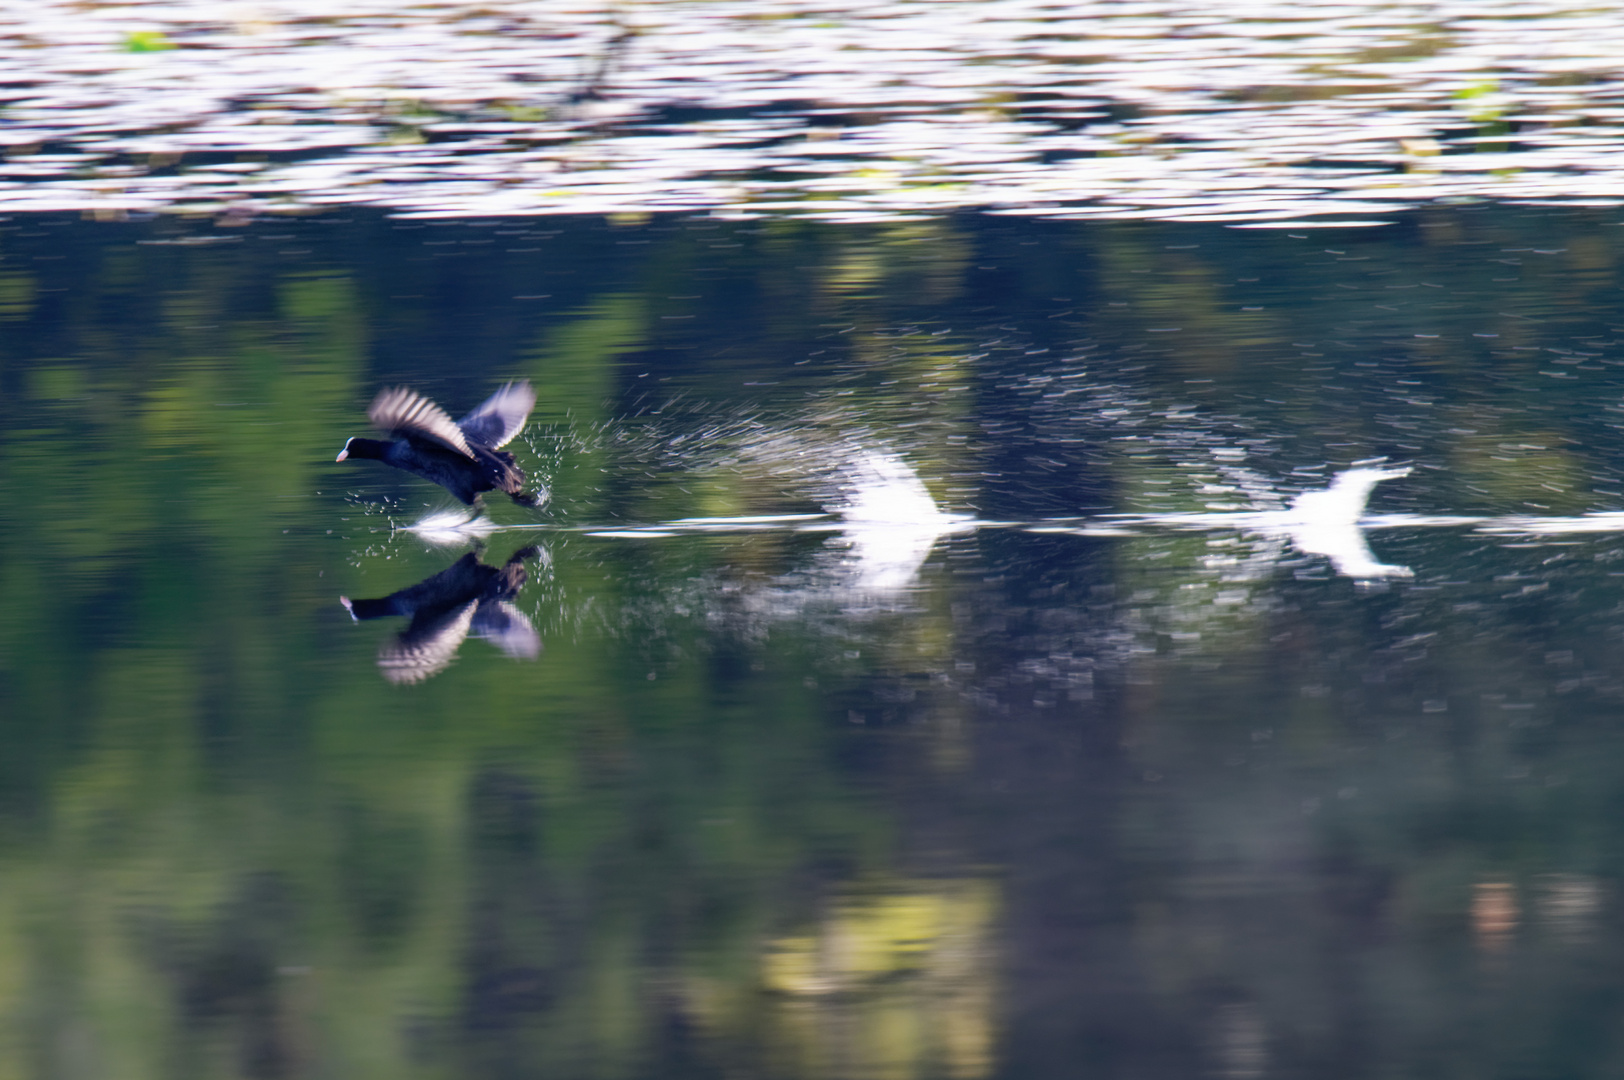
<point>524,553</point>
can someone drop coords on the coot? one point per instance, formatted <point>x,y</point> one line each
<point>464,456</point>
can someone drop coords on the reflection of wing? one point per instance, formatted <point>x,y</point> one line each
<point>406,412</point>
<point>501,417</point>
<point>424,649</point>
<point>506,627</point>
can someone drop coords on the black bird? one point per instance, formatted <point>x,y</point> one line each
<point>463,457</point>
<point>467,597</point>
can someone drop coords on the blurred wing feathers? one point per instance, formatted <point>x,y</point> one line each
<point>506,627</point>
<point>501,417</point>
<point>422,651</point>
<point>408,413</point>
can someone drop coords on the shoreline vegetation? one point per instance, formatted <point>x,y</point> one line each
<point>1273,114</point>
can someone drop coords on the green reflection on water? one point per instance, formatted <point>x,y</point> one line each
<point>1069,801</point>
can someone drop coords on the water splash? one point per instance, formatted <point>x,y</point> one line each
<point>452,528</point>
<point>1327,523</point>
<point>890,523</point>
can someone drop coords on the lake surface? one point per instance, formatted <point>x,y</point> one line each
<point>946,650</point>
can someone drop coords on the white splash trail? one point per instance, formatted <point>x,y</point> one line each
<point>1601,522</point>
<point>452,528</point>
<point>1324,522</point>
<point>889,523</point>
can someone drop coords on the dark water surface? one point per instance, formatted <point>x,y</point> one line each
<point>920,670</point>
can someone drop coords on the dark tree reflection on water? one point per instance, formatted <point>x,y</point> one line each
<point>866,740</point>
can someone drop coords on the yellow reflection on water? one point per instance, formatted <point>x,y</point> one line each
<point>897,982</point>
<point>1495,914</point>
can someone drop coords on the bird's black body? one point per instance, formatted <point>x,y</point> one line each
<point>463,457</point>
<point>465,477</point>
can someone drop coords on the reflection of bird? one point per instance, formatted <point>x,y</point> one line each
<point>465,598</point>
<point>464,456</point>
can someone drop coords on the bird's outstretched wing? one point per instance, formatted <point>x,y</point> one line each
<point>508,628</point>
<point>501,417</point>
<point>423,650</point>
<point>408,413</point>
